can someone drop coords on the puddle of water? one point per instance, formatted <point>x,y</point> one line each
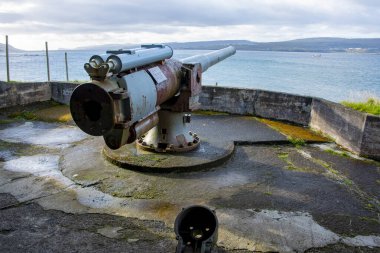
<point>41,133</point>
<point>229,178</point>
<point>39,165</point>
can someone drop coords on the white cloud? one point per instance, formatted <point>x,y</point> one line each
<point>82,22</point>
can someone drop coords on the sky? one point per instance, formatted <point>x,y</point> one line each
<point>77,23</point>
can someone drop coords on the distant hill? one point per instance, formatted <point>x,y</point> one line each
<point>320,45</point>
<point>11,49</point>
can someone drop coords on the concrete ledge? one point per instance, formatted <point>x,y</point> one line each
<point>267,104</point>
<point>14,93</point>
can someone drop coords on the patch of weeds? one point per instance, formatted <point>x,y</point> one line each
<point>372,106</point>
<point>6,121</point>
<point>297,142</point>
<point>369,206</point>
<point>283,156</point>
<point>340,153</point>
<point>290,165</point>
<point>209,113</point>
<point>326,166</point>
<point>269,193</point>
<point>369,219</point>
<point>23,115</point>
<point>347,182</point>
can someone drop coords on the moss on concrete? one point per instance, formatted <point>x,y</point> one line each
<point>293,132</point>
<point>58,113</point>
<point>43,111</point>
<point>209,113</point>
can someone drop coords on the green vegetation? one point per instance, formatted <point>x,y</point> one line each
<point>371,106</point>
<point>340,153</point>
<point>23,115</point>
<point>209,113</point>
<point>369,219</point>
<point>290,165</point>
<point>297,142</point>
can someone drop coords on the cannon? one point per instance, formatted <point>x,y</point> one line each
<point>142,95</point>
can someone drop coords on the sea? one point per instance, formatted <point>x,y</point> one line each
<point>333,76</point>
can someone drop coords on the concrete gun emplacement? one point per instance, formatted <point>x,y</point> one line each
<point>142,94</point>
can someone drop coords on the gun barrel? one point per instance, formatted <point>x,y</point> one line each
<point>210,59</point>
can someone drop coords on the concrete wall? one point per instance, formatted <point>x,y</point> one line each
<point>370,145</point>
<point>355,131</point>
<point>341,123</point>
<point>12,94</point>
<point>266,104</point>
<point>61,91</point>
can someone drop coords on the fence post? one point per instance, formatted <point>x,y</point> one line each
<point>7,57</point>
<point>67,69</point>
<point>47,61</point>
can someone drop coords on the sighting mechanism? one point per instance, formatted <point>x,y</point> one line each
<point>142,95</point>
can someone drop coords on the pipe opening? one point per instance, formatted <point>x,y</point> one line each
<point>92,110</point>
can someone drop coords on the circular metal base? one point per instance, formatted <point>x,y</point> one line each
<point>206,156</point>
<point>188,143</point>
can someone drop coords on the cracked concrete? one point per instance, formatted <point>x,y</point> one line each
<point>277,198</point>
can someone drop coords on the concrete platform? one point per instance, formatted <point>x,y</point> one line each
<point>58,193</point>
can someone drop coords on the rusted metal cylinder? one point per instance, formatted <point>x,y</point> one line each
<point>170,87</point>
<point>142,127</point>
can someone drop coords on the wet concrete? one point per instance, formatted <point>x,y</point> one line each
<point>267,197</point>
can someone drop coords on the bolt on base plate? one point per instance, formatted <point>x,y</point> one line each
<point>183,144</point>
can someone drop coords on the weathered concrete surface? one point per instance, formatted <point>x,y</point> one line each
<point>266,104</point>
<point>61,91</point>
<point>356,131</point>
<point>12,94</point>
<point>341,123</point>
<point>370,145</point>
<point>267,198</point>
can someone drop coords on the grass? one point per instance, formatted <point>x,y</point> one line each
<point>372,106</point>
<point>297,142</point>
<point>23,115</point>
<point>341,153</point>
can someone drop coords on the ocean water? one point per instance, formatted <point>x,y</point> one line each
<point>333,76</point>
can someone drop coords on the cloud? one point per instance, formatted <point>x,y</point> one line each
<point>171,19</point>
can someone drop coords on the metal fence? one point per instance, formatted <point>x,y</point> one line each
<point>42,65</point>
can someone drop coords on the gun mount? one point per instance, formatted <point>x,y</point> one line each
<point>142,94</point>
